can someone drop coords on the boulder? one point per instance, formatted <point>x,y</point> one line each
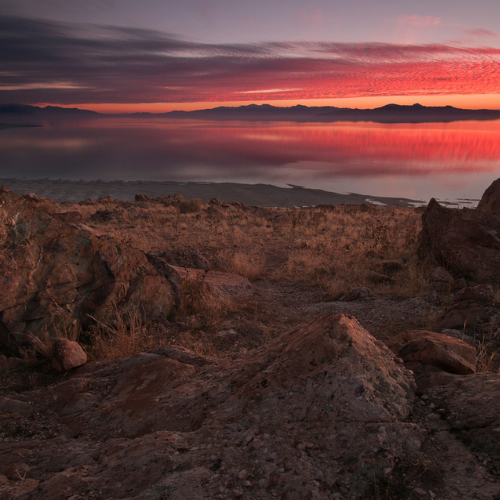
<point>67,354</point>
<point>56,274</point>
<point>490,201</point>
<point>471,306</point>
<point>461,241</point>
<point>434,349</point>
<point>186,280</point>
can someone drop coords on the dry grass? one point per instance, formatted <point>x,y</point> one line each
<point>488,358</point>
<point>124,337</point>
<point>322,245</point>
<point>332,247</point>
<point>326,248</point>
<point>135,335</point>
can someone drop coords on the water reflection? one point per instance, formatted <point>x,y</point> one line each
<point>415,160</point>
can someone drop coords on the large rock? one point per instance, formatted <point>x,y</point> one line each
<point>463,242</point>
<point>56,274</point>
<point>319,412</point>
<point>435,349</point>
<point>471,307</point>
<point>490,201</point>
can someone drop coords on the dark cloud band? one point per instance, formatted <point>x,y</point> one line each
<point>42,61</point>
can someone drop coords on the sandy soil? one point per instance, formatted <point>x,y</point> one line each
<point>250,194</point>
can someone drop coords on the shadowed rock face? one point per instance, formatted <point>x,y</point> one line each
<point>490,201</point>
<point>56,273</point>
<point>318,411</point>
<point>464,242</point>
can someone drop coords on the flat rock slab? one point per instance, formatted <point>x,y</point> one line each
<point>435,349</point>
<point>472,406</point>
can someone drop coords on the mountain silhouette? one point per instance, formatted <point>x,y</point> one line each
<point>391,113</point>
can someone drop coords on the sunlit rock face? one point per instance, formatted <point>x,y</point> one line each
<point>422,348</point>
<point>57,274</point>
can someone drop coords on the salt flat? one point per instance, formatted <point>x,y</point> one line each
<point>250,194</point>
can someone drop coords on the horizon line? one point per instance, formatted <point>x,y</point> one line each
<point>114,108</point>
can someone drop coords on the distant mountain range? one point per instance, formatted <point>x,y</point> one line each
<point>392,113</point>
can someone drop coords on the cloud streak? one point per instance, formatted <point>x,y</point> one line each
<point>52,62</point>
<point>481,33</point>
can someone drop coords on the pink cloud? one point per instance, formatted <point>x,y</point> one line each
<point>130,66</point>
<point>481,32</point>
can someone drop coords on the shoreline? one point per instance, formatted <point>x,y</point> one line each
<point>266,195</point>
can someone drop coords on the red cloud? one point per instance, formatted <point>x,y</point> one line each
<point>120,65</point>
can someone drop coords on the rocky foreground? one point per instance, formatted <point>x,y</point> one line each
<point>330,406</point>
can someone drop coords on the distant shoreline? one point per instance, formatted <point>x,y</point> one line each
<point>250,194</point>
<point>389,114</point>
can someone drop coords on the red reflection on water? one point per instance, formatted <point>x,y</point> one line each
<point>166,149</point>
<point>342,148</point>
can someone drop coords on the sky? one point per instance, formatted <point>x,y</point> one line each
<point>160,55</point>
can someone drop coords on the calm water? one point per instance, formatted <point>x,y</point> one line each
<point>446,161</point>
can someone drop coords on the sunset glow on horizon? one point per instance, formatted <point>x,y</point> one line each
<point>158,60</point>
<point>458,101</point>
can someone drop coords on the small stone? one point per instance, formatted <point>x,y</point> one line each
<point>243,474</point>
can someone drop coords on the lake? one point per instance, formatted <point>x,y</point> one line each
<point>448,161</point>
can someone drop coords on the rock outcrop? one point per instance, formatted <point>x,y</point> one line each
<point>57,274</point>
<point>319,412</point>
<point>490,201</point>
<point>464,242</point>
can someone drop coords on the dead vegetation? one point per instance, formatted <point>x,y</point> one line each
<point>293,257</point>
<point>326,246</point>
